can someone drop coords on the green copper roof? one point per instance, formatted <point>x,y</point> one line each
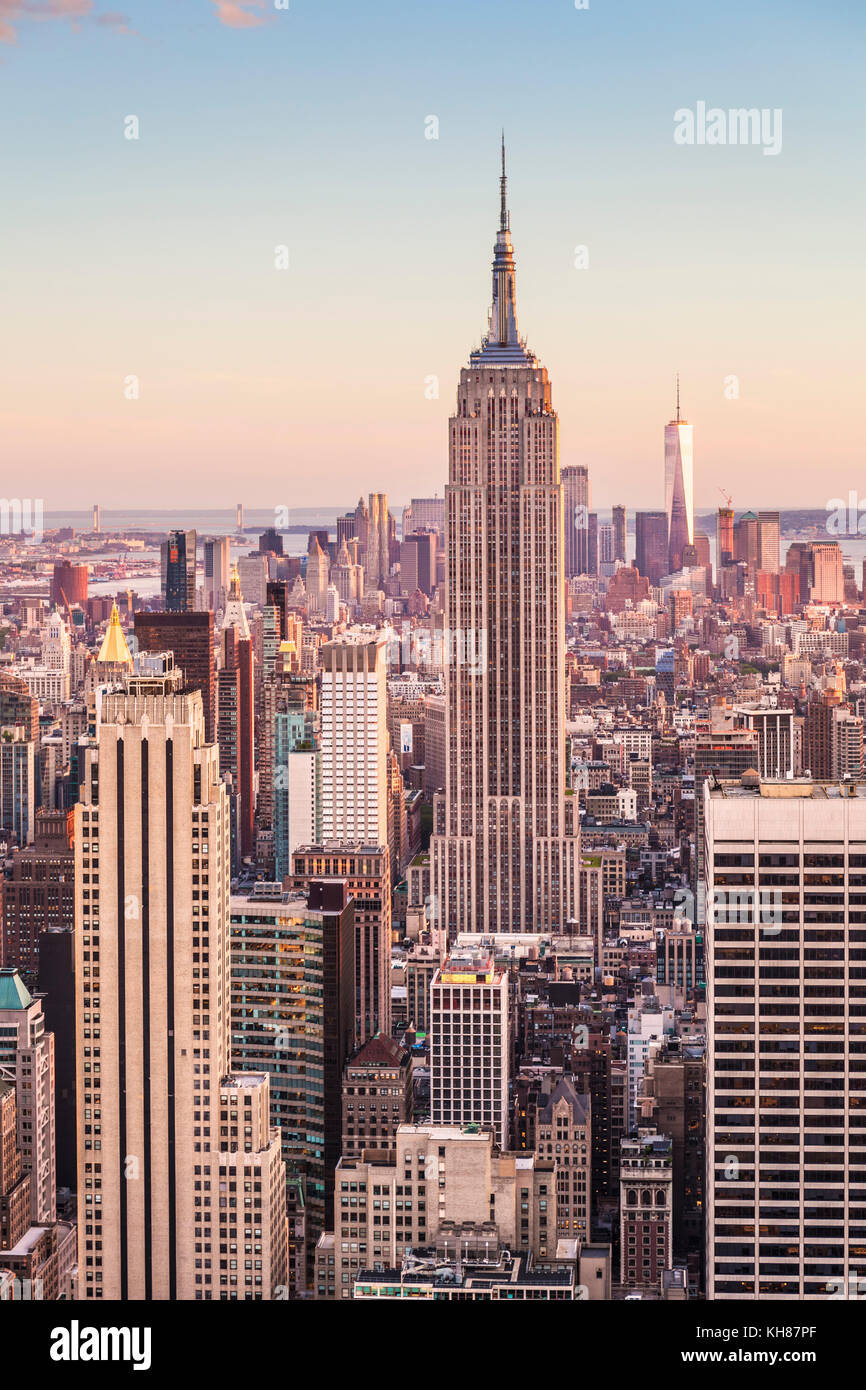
<point>13,995</point>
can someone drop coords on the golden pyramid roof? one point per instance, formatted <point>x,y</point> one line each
<point>114,648</point>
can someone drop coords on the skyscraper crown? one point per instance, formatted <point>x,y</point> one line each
<point>503,345</point>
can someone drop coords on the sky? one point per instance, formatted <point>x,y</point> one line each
<point>156,352</point>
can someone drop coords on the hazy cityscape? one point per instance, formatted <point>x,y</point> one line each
<point>450,892</point>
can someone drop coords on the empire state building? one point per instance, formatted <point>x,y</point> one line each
<point>505,848</point>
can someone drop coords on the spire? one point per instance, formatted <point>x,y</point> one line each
<point>114,648</point>
<point>503,193</point>
<point>235,614</point>
<point>678,398</point>
<point>503,345</point>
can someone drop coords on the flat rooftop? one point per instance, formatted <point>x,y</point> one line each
<point>790,788</point>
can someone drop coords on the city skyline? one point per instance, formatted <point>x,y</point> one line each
<point>457,893</point>
<point>156,275</point>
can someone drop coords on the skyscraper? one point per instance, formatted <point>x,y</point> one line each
<point>38,895</point>
<point>619,533</point>
<point>378,563</point>
<point>503,857</point>
<point>291,1016</point>
<point>354,739</point>
<point>27,1057</point>
<point>786,1154</point>
<point>679,487</point>
<point>576,502</point>
<point>217,566</point>
<point>163,1126</point>
<point>366,872</point>
<point>768,542</point>
<point>177,564</point>
<point>469,1060</point>
<point>651,544</point>
<point>235,685</point>
<point>190,637</point>
<point>724,538</point>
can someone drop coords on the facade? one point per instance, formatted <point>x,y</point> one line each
<point>769,540</point>
<point>292,1018</point>
<point>564,1137</point>
<point>236,718</point>
<point>619,534</point>
<point>470,1043</point>
<point>365,872</point>
<point>775,730</point>
<point>646,1210</point>
<point>18,771</point>
<point>786,1049</point>
<point>457,1192</point>
<point>651,545</point>
<point>297,787</point>
<point>354,724</point>
<point>377,1096</point>
<point>576,504</point>
<point>377,565</point>
<point>719,753</point>
<point>39,894</point>
<point>217,569</point>
<point>502,858</point>
<point>191,637</point>
<point>156,1099</point>
<point>27,1056</point>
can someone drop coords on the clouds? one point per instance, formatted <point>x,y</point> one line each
<point>240,14</point>
<point>13,12</point>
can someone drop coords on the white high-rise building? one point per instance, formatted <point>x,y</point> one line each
<point>27,1060</point>
<point>56,644</point>
<point>354,757</point>
<point>775,729</point>
<point>166,1134</point>
<point>679,487</point>
<point>786,1037</point>
<point>505,856</point>
<point>470,1045</point>
<point>217,569</point>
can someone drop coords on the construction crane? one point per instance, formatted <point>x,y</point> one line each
<point>68,609</point>
<point>727,497</point>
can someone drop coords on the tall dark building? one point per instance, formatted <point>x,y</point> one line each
<point>277,592</point>
<point>177,566</point>
<point>57,984</point>
<point>271,542</point>
<point>651,545</point>
<point>39,894</point>
<point>619,526</point>
<point>592,543</point>
<point>418,562</point>
<point>190,637</point>
<point>576,494</point>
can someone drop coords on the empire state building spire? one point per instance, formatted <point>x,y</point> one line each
<point>503,345</point>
